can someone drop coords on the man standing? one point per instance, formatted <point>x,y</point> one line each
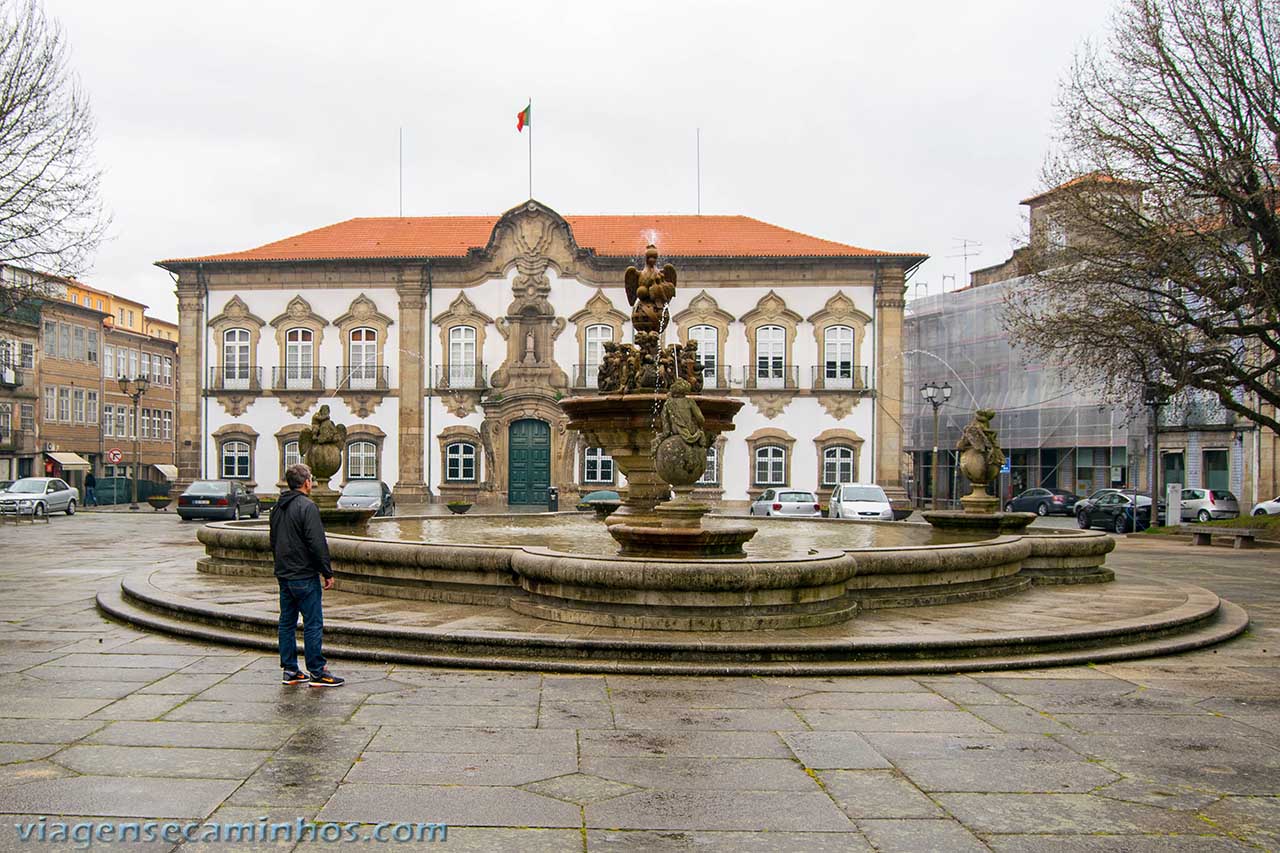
<point>301,560</point>
<point>90,490</point>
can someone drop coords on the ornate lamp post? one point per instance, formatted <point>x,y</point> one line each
<point>935,395</point>
<point>134,389</point>
<point>1154,396</point>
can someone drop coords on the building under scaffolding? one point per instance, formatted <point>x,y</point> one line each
<point>1054,435</point>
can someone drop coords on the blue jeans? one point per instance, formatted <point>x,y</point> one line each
<point>90,496</point>
<point>301,597</point>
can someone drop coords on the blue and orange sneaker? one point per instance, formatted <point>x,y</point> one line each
<point>324,678</point>
<point>293,676</point>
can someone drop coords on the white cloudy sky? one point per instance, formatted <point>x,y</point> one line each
<point>891,125</point>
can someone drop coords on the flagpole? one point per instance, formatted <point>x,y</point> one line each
<point>530,108</point>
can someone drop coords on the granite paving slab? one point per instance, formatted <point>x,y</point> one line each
<point>644,841</point>
<point>455,805</point>
<point>172,761</point>
<point>915,836</point>
<point>118,796</point>
<point>458,768</point>
<point>775,811</point>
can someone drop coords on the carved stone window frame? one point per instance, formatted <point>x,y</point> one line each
<point>461,312</point>
<point>839,311</point>
<point>771,310</point>
<point>599,311</point>
<point>714,491</point>
<point>363,313</point>
<point>364,432</point>
<point>703,310</point>
<point>460,489</point>
<point>235,314</point>
<point>770,437</point>
<point>298,315</point>
<point>237,431</point>
<point>284,435</point>
<point>837,437</point>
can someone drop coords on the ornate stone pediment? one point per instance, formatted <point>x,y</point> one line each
<point>298,313</point>
<point>363,312</point>
<point>236,313</point>
<point>771,309</point>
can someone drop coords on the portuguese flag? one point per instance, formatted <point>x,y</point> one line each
<point>524,118</point>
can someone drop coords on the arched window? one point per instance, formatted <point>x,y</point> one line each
<point>597,466</point>
<point>362,460</point>
<point>837,465</point>
<point>462,357</point>
<point>595,339</point>
<point>364,358</point>
<point>837,357</point>
<point>460,462</point>
<point>711,476</point>
<point>235,460</point>
<point>708,340</point>
<point>771,354</point>
<point>299,358</point>
<point>771,465</point>
<point>235,359</point>
<point>292,456</point>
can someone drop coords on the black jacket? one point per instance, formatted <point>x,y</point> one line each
<point>297,538</point>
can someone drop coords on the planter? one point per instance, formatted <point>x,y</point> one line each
<point>458,509</point>
<point>159,502</point>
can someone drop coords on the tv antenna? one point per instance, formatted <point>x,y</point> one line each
<point>966,249</point>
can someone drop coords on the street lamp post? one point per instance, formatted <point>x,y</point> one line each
<point>1154,396</point>
<point>935,395</point>
<point>134,389</point>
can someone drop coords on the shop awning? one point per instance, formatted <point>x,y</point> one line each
<point>169,472</point>
<point>70,461</point>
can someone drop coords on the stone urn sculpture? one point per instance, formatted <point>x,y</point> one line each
<point>980,461</point>
<point>321,447</point>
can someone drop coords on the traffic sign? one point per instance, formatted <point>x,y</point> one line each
<point>115,455</point>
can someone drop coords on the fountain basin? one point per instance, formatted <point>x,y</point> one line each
<point>566,569</point>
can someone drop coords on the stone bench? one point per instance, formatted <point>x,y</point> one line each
<point>1243,537</point>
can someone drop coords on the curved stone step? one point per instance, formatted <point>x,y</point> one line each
<point>1202,620</point>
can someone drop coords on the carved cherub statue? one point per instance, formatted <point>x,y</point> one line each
<point>649,290</point>
<point>690,368</point>
<point>680,445</point>
<point>980,453</point>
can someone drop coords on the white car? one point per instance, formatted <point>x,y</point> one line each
<point>865,501</point>
<point>1271,507</point>
<point>39,496</point>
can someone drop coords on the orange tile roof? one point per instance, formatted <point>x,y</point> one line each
<point>609,236</point>
<point>1089,178</point>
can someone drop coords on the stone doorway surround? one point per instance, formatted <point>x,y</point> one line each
<point>499,415</point>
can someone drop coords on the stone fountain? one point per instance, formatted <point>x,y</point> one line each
<point>980,461</point>
<point>648,416</point>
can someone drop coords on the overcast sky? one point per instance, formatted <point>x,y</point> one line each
<point>888,125</point>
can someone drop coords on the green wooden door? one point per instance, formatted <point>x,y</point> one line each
<point>528,462</point>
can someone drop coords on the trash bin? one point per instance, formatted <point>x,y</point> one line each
<point>553,499</point>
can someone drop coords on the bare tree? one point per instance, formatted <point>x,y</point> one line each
<point>1165,261</point>
<point>51,217</point>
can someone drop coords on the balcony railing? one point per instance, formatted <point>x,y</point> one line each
<point>841,376</point>
<point>12,376</point>
<point>467,376</point>
<point>298,377</point>
<point>364,377</point>
<point>768,377</point>
<point>584,376</point>
<point>17,440</point>
<point>236,378</point>
<point>716,378</point>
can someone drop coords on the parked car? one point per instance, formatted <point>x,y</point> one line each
<point>367,494</point>
<point>1084,503</point>
<point>1043,502</point>
<point>5,484</point>
<point>223,500</point>
<point>39,496</point>
<point>1115,512</point>
<point>789,502</point>
<point>1206,504</point>
<point>860,500</point>
<point>1271,507</point>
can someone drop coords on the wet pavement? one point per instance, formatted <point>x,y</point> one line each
<point>102,722</point>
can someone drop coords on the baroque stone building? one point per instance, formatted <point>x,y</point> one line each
<point>445,343</point>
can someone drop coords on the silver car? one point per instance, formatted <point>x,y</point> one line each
<point>1206,504</point>
<point>39,496</point>
<point>793,503</point>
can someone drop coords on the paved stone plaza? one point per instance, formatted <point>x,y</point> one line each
<point>102,721</point>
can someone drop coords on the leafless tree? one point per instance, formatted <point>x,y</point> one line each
<point>51,216</point>
<point>1165,261</point>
